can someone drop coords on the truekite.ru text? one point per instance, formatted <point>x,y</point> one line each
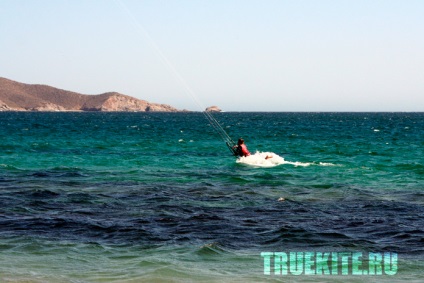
<point>330,263</point>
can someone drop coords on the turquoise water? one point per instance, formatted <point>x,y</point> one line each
<point>157,197</point>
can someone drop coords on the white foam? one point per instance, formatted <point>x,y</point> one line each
<point>327,164</point>
<point>259,159</point>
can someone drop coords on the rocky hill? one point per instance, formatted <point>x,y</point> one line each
<point>213,109</point>
<point>15,96</point>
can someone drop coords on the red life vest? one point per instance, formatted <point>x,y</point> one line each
<point>243,150</point>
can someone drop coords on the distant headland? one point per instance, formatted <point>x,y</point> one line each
<point>16,96</point>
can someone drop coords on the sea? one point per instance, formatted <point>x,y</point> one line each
<point>158,197</point>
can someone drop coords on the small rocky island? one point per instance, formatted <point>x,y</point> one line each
<point>213,109</point>
<point>15,96</point>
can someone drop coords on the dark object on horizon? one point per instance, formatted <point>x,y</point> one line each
<point>213,109</point>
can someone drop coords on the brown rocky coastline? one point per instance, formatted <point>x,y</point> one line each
<point>16,96</point>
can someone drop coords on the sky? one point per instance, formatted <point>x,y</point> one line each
<point>241,55</point>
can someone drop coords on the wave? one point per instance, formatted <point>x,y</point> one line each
<point>271,159</point>
<point>8,167</point>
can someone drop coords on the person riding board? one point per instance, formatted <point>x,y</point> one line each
<point>241,148</point>
<point>242,151</point>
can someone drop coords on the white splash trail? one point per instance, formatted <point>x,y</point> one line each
<point>259,159</point>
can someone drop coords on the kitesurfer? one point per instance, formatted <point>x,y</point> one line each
<point>241,148</point>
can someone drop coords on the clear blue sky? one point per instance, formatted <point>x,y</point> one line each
<point>357,55</point>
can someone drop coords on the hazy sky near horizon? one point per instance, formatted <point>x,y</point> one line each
<point>298,55</point>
